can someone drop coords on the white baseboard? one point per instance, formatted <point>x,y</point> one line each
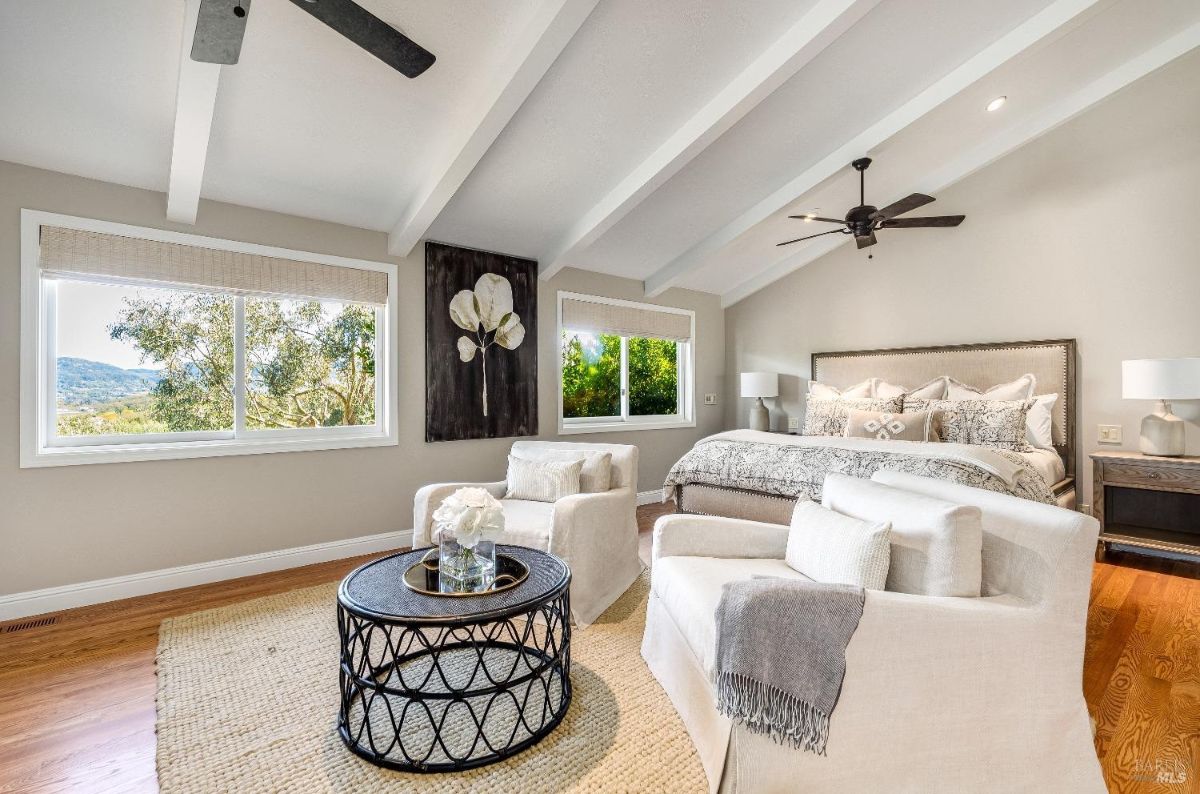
<point>649,497</point>
<point>55,599</point>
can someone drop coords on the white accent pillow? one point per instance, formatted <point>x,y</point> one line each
<point>937,546</point>
<point>542,480</point>
<point>828,547</point>
<point>1019,389</point>
<point>823,391</point>
<point>934,390</point>
<point>594,477</point>
<point>1039,422</point>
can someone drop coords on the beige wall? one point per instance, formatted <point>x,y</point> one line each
<point>72,524</point>
<point>1089,232</point>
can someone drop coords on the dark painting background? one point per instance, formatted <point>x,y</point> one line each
<point>453,388</point>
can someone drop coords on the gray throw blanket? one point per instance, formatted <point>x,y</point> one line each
<point>781,655</point>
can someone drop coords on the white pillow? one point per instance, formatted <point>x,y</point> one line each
<point>1019,389</point>
<point>542,480</point>
<point>934,390</point>
<point>937,546</point>
<point>594,477</point>
<point>823,391</point>
<point>1039,422</point>
<point>828,547</point>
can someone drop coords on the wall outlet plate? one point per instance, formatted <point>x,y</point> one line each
<point>793,423</point>
<point>1108,434</point>
<point>710,399</point>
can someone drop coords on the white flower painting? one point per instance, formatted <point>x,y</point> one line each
<point>487,315</point>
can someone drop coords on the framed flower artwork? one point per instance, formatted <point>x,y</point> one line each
<point>480,344</point>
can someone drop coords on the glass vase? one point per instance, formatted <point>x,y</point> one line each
<point>465,569</point>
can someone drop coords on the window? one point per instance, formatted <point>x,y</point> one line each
<point>623,365</point>
<point>140,344</point>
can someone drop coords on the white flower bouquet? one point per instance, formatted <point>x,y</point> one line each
<point>465,527</point>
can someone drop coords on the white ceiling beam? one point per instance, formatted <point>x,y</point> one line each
<point>1051,19</point>
<point>1000,145</point>
<point>554,24</point>
<point>811,34</point>
<point>195,99</point>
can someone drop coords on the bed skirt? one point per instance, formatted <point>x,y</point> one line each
<point>713,500</point>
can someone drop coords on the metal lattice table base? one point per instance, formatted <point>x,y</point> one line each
<point>435,698</point>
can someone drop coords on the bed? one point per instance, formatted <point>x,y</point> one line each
<point>759,476</point>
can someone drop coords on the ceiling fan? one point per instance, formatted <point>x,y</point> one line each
<point>221,24</point>
<point>864,220</point>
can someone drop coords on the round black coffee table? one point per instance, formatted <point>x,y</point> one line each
<point>445,683</point>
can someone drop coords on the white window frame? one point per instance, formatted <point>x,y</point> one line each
<point>685,361</point>
<point>41,447</point>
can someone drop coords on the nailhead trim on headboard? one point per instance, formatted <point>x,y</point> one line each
<point>963,359</point>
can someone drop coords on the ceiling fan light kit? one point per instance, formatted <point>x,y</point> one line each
<point>221,25</point>
<point>865,219</point>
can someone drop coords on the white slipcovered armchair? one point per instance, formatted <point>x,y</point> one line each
<point>940,694</point>
<point>595,533</point>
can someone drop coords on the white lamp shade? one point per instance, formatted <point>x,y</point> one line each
<point>1160,379</point>
<point>760,384</point>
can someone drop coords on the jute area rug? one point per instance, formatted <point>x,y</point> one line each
<point>248,696</point>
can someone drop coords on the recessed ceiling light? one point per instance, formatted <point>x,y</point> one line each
<point>808,216</point>
<point>996,103</point>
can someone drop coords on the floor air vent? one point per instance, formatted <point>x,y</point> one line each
<point>30,624</point>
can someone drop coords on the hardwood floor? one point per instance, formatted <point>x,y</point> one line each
<point>77,697</point>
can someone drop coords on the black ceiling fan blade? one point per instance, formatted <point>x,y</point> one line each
<point>815,218</point>
<point>809,237</point>
<point>372,34</point>
<point>906,204</point>
<point>866,240</point>
<point>219,31</point>
<point>916,223</point>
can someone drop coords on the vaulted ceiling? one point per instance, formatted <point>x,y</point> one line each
<point>662,141</point>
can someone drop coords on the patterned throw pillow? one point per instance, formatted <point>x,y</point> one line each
<point>828,417</point>
<point>989,423</point>
<point>917,426</point>
<point>542,480</point>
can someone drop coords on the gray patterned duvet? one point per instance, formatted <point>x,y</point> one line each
<point>795,466</point>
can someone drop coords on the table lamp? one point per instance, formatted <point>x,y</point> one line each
<point>1161,379</point>
<point>759,385</point>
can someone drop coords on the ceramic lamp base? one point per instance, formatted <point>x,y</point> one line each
<point>1162,433</point>
<point>760,419</point>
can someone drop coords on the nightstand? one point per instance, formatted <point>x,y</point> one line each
<point>1147,501</point>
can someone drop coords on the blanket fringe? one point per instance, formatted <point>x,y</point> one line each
<point>766,710</point>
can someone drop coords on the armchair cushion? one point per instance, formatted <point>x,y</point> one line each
<point>690,589</point>
<point>594,477</point>
<point>542,480</point>
<point>836,549</point>
<point>936,545</point>
<point>527,523</point>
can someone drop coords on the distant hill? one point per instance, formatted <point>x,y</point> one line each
<point>85,382</point>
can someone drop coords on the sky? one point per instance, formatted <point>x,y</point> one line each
<point>84,313</point>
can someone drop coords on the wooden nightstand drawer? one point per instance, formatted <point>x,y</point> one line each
<point>1152,476</point>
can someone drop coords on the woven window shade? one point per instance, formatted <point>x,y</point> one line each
<point>606,318</point>
<point>72,252</point>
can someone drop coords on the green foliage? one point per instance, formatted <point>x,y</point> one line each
<point>305,366</point>
<point>191,336</point>
<point>653,377</point>
<point>592,376</point>
<point>307,369</point>
<point>119,417</point>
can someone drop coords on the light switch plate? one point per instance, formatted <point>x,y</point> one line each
<point>793,423</point>
<point>1108,434</point>
<point>710,399</point>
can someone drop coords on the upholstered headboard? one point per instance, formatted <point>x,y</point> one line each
<point>980,365</point>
